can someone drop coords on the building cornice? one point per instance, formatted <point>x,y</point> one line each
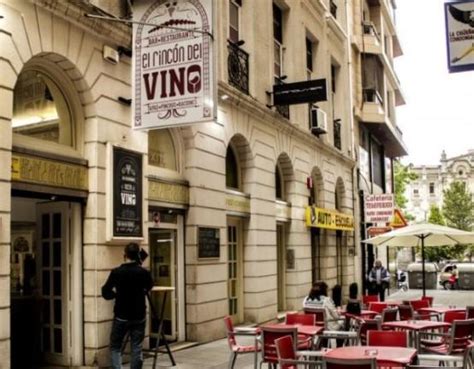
<point>275,121</point>
<point>74,12</point>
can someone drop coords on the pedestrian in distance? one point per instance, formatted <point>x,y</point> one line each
<point>379,277</point>
<point>128,284</point>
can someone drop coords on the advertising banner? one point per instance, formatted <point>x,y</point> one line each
<point>174,76</point>
<point>328,219</point>
<point>127,193</point>
<point>379,208</point>
<point>460,35</point>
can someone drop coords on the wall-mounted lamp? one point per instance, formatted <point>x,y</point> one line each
<point>124,100</point>
<point>225,97</point>
<point>240,42</point>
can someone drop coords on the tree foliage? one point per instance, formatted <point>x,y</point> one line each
<point>436,254</point>
<point>402,177</point>
<point>458,209</point>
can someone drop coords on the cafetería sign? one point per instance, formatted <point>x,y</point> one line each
<point>174,79</point>
<point>379,208</point>
<point>329,219</point>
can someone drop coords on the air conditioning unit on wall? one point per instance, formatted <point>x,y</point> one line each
<point>319,122</point>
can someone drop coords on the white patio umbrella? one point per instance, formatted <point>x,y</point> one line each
<point>424,234</point>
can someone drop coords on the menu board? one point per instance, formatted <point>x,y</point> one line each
<point>209,243</point>
<point>127,193</point>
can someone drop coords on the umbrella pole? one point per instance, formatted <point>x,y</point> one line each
<point>423,263</point>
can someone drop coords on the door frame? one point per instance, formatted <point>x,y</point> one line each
<point>237,222</point>
<point>281,265</point>
<point>179,272</point>
<point>72,288</point>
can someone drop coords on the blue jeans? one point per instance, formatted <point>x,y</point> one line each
<point>136,329</point>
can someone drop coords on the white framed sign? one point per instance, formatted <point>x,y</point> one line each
<point>460,35</point>
<point>174,66</point>
<point>379,208</point>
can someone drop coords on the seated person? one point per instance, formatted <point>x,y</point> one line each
<point>353,304</point>
<point>318,297</point>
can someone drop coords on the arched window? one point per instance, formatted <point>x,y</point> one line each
<point>161,150</point>
<point>278,184</point>
<point>40,109</point>
<point>231,169</point>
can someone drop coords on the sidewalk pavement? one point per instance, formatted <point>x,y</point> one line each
<point>215,355</point>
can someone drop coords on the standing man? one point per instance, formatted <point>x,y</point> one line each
<point>128,284</point>
<point>380,277</point>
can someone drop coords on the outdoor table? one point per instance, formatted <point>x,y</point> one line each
<point>363,314</point>
<point>307,330</point>
<point>416,326</point>
<point>439,309</point>
<point>384,355</point>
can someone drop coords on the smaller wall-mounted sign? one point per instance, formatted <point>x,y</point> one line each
<point>127,193</point>
<point>209,242</point>
<point>328,219</point>
<point>459,18</point>
<point>379,208</point>
<point>300,92</point>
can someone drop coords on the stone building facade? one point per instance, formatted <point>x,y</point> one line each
<point>376,94</point>
<point>251,177</point>
<point>427,189</point>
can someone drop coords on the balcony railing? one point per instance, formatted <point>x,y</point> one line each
<point>337,134</point>
<point>238,67</point>
<point>369,29</point>
<point>333,8</point>
<point>372,95</point>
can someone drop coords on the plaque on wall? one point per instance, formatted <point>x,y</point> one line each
<point>127,193</point>
<point>209,243</point>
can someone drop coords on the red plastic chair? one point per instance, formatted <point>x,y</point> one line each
<point>235,348</point>
<point>429,299</point>
<point>451,316</point>
<point>364,327</point>
<point>298,318</point>
<point>387,338</point>
<point>417,305</point>
<point>330,363</point>
<point>319,315</point>
<point>378,306</point>
<point>389,315</point>
<point>366,299</point>
<point>287,356</point>
<point>304,342</point>
<point>406,312</point>
<point>269,336</point>
<point>456,342</point>
<point>469,312</point>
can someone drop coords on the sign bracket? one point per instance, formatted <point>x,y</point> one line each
<point>128,21</point>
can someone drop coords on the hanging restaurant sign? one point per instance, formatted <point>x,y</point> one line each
<point>174,76</point>
<point>328,219</point>
<point>300,92</point>
<point>460,35</point>
<point>127,193</point>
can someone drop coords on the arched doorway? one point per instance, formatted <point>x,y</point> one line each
<point>49,186</point>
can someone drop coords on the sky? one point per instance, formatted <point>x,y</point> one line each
<point>439,110</point>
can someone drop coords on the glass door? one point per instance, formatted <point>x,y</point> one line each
<point>53,234</point>
<point>235,271</point>
<point>281,267</point>
<point>163,270</point>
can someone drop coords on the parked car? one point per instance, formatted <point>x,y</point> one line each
<point>466,276</point>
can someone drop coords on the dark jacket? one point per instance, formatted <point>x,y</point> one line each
<point>128,285</point>
<point>384,276</point>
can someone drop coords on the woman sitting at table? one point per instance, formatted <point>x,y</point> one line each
<point>353,304</point>
<point>318,297</point>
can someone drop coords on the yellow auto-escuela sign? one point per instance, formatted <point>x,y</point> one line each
<point>329,219</point>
